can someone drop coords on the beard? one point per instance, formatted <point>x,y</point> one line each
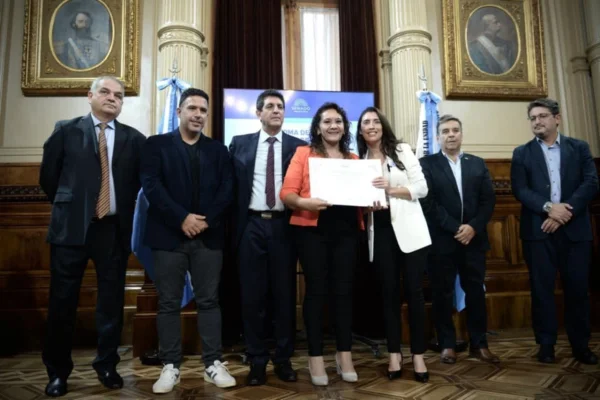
<point>83,33</point>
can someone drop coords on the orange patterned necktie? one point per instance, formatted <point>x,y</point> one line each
<point>103,205</point>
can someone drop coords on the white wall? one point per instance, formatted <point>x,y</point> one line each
<point>28,121</point>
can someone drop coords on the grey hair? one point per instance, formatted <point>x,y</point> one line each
<point>447,118</point>
<point>99,79</point>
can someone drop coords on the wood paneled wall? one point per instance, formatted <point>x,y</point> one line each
<point>25,277</point>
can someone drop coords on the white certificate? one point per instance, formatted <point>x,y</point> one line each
<point>345,182</point>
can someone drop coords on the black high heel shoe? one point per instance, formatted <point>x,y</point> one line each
<point>422,377</point>
<point>396,374</point>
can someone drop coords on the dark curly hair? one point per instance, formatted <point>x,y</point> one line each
<point>389,142</point>
<point>316,141</point>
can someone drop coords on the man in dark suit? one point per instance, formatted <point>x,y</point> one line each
<point>554,178</point>
<point>458,207</point>
<point>90,172</point>
<point>267,260</point>
<point>187,180</point>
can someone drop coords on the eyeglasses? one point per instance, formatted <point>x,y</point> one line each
<point>540,116</point>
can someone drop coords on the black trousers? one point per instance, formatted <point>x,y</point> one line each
<point>470,265</point>
<point>67,266</point>
<point>572,259</point>
<point>328,256</point>
<point>170,269</point>
<point>390,262</point>
<point>267,263</point>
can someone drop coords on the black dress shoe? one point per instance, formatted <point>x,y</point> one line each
<point>285,372</point>
<point>110,379</point>
<point>394,374</point>
<point>586,357</point>
<point>56,387</point>
<point>546,354</point>
<point>257,375</point>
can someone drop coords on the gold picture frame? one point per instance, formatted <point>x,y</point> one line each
<point>494,49</point>
<point>68,43</point>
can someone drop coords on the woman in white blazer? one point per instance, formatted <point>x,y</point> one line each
<point>399,239</point>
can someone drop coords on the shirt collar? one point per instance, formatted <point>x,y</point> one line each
<point>264,136</point>
<point>460,155</point>
<point>110,124</point>
<point>557,141</point>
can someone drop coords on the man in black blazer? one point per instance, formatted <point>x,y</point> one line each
<point>458,207</point>
<point>554,178</point>
<point>187,180</point>
<point>267,260</point>
<point>90,172</point>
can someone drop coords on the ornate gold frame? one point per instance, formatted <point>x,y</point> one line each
<point>42,74</point>
<point>526,79</point>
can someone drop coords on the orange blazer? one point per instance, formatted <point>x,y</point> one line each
<point>297,180</point>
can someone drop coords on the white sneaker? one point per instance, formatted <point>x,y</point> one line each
<point>169,377</point>
<point>219,375</point>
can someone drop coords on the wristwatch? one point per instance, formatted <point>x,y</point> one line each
<point>547,206</point>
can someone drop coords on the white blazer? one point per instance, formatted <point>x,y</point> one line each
<point>407,216</point>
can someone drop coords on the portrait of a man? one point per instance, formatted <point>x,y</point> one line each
<point>81,37</point>
<point>492,40</point>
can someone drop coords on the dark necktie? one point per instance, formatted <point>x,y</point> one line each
<point>103,204</point>
<point>270,186</point>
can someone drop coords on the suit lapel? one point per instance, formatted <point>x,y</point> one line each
<point>287,150</point>
<point>120,139</point>
<point>251,154</point>
<point>180,146</point>
<point>538,157</point>
<point>465,171</point>
<point>564,156</point>
<point>86,125</point>
<point>444,163</point>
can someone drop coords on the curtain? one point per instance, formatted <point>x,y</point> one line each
<point>247,50</point>
<point>320,33</point>
<point>358,48</point>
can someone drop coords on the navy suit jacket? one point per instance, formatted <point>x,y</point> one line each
<point>442,206</point>
<point>167,183</point>
<point>70,175</point>
<point>243,154</point>
<point>531,186</point>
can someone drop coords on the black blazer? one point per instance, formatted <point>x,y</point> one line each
<point>70,175</point>
<point>167,183</point>
<point>442,206</point>
<point>243,154</point>
<point>531,186</point>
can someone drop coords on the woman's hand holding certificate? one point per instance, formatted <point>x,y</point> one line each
<point>346,182</point>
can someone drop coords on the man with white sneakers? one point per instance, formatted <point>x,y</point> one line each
<point>187,180</point>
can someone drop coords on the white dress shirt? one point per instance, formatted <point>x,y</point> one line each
<point>109,133</point>
<point>258,200</point>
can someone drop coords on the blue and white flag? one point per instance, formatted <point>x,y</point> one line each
<point>427,144</point>
<point>169,122</point>
<point>428,118</point>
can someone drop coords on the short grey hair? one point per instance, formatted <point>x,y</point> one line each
<point>99,79</point>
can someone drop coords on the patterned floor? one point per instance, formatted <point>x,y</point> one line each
<point>519,376</point>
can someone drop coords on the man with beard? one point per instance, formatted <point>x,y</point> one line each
<point>82,51</point>
<point>554,178</point>
<point>489,52</point>
<point>187,180</point>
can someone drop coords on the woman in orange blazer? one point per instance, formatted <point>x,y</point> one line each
<point>327,240</point>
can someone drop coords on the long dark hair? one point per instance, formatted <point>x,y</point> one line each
<point>389,142</point>
<point>316,141</point>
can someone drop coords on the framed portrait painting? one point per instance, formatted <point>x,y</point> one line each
<point>68,43</point>
<point>494,49</point>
